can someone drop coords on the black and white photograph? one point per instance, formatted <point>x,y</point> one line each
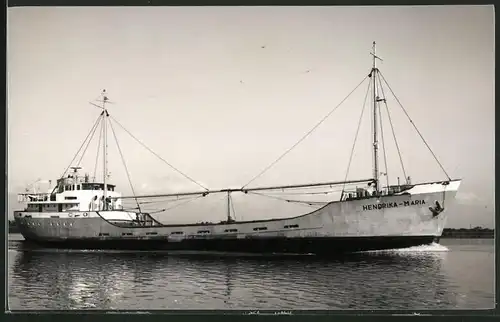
<point>253,158</point>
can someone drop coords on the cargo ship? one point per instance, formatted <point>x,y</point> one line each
<point>80,212</point>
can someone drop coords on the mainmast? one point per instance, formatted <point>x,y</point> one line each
<point>104,148</point>
<point>375,134</point>
<point>228,206</point>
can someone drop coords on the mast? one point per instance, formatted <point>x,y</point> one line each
<point>228,206</point>
<point>375,134</point>
<point>104,149</point>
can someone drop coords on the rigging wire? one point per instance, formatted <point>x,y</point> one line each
<point>81,146</point>
<point>356,136</point>
<point>175,206</point>
<point>306,135</point>
<point>232,206</point>
<point>411,121</point>
<point>392,129</point>
<point>159,157</point>
<point>183,203</point>
<point>383,147</point>
<point>379,86</point>
<point>124,164</point>
<point>160,201</point>
<point>299,202</point>
<point>97,154</point>
<point>88,143</point>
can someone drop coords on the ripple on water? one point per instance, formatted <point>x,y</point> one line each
<point>415,278</point>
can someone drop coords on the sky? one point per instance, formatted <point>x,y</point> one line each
<point>221,92</point>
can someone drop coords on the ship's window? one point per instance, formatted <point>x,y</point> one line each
<point>54,216</point>
<point>78,187</point>
<point>203,231</point>
<point>152,233</point>
<point>230,230</point>
<point>104,234</point>
<point>260,228</point>
<point>70,198</point>
<point>292,226</point>
<point>126,234</point>
<point>177,232</point>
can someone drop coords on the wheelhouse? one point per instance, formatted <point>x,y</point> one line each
<point>73,193</point>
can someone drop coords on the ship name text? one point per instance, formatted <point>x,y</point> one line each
<point>384,205</point>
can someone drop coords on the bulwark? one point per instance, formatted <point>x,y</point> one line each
<point>384,205</point>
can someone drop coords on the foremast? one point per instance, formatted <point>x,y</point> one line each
<point>105,148</point>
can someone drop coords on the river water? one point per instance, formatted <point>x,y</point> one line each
<point>455,274</point>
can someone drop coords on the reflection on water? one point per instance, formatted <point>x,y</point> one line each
<point>45,279</point>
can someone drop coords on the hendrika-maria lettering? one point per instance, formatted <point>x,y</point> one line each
<point>383,205</point>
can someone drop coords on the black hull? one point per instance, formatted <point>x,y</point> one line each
<point>318,246</point>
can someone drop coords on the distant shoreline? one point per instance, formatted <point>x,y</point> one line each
<point>468,233</point>
<point>477,232</point>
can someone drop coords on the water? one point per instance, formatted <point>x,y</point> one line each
<point>453,274</point>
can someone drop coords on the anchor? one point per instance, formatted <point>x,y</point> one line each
<point>437,209</point>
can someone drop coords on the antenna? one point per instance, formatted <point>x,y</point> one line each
<point>104,100</point>
<point>374,55</point>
